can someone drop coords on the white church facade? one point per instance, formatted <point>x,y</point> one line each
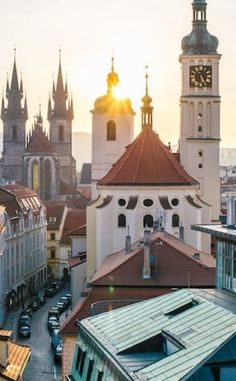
<point>147,185</point>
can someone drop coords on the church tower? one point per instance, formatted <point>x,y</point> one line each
<point>14,118</point>
<point>200,108</point>
<point>112,129</point>
<point>60,118</point>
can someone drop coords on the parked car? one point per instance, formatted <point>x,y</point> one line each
<point>65,300</point>
<point>24,320</point>
<point>58,352</point>
<point>52,319</point>
<point>24,331</point>
<point>54,312</point>
<point>53,324</point>
<point>36,304</point>
<point>69,297</point>
<point>50,291</point>
<point>56,338</point>
<point>61,307</point>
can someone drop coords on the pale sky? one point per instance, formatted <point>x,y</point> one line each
<point>140,32</point>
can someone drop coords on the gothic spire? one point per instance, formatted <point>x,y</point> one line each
<point>14,95</point>
<point>146,109</point>
<point>59,94</point>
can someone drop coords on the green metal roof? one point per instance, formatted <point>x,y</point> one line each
<point>201,330</point>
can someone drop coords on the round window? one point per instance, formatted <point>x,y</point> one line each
<point>121,201</point>
<point>148,202</point>
<point>175,202</point>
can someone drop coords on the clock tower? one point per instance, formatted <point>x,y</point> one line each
<point>200,108</point>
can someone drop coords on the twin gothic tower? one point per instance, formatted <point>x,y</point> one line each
<point>42,163</point>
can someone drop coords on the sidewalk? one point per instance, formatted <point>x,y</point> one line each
<point>12,317</point>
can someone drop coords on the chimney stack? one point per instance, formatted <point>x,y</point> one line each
<point>146,254</point>
<point>127,242</point>
<point>231,212</point>
<point>181,232</point>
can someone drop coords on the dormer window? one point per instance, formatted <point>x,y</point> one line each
<point>52,219</point>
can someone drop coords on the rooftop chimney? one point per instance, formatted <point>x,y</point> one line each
<point>127,242</point>
<point>146,254</point>
<point>231,212</point>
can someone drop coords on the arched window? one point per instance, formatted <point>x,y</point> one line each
<point>121,221</point>
<point>61,133</point>
<point>111,130</point>
<point>47,180</point>
<point>14,132</point>
<point>175,221</point>
<point>35,176</point>
<point>148,221</point>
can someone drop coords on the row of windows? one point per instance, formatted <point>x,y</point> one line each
<point>88,373</point>
<point>148,201</point>
<point>147,221</point>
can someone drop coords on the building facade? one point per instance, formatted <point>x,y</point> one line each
<point>24,258</point>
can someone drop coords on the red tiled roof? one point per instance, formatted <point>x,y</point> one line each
<point>147,161</point>
<point>81,230</point>
<point>16,198</point>
<point>75,261</point>
<point>121,275</point>
<point>175,266</point>
<point>127,294</point>
<point>75,218</point>
<point>39,142</point>
<point>68,189</point>
<point>54,210</point>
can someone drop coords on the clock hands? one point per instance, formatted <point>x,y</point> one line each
<point>203,80</point>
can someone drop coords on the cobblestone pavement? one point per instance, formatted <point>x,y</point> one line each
<point>41,365</point>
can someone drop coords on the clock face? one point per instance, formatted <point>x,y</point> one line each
<point>200,76</point>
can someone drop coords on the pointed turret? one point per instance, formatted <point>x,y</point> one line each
<point>26,107</point>
<point>49,107</point>
<point>146,109</point>
<point>14,95</point>
<point>59,96</point>
<point>199,41</point>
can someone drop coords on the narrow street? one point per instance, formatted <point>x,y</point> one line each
<point>41,365</point>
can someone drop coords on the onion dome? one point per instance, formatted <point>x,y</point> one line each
<point>199,41</point>
<point>108,103</point>
<point>112,78</point>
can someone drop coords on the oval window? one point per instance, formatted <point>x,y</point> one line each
<point>121,202</point>
<point>175,202</point>
<point>148,202</point>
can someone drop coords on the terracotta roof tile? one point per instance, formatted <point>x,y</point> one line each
<point>147,161</point>
<point>54,215</point>
<point>17,198</point>
<point>175,266</point>
<point>120,275</point>
<point>81,230</point>
<point>75,218</point>
<point>75,261</point>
